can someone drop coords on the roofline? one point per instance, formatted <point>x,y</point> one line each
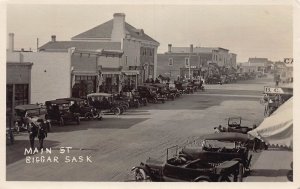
<point>90,38</point>
<point>100,52</point>
<point>20,63</point>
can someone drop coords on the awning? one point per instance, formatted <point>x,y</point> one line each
<point>131,72</point>
<point>85,73</point>
<point>277,130</point>
<point>111,72</point>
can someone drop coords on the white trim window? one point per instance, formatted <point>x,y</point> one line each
<point>171,62</point>
<point>187,62</point>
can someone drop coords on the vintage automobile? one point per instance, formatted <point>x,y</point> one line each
<point>179,169</point>
<point>105,103</point>
<point>234,125</point>
<point>220,147</point>
<point>142,100</point>
<point>214,80</point>
<point>59,111</point>
<point>23,112</point>
<point>184,87</point>
<point>150,92</point>
<point>163,90</point>
<point>198,84</point>
<point>85,111</point>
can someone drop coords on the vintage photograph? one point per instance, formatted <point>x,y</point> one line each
<point>149,92</point>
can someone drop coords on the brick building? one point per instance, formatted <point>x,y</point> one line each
<point>202,60</point>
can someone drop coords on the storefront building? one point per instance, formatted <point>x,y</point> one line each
<point>18,84</point>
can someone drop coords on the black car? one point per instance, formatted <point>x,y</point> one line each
<point>179,169</point>
<point>151,93</point>
<point>105,103</point>
<point>23,112</point>
<point>79,105</point>
<point>220,147</point>
<point>60,111</point>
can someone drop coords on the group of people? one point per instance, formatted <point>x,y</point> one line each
<point>36,129</point>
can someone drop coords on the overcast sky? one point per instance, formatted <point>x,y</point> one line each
<point>247,30</point>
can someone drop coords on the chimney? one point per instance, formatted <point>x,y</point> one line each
<point>118,31</point>
<point>11,42</point>
<point>53,38</point>
<point>191,48</point>
<point>169,48</point>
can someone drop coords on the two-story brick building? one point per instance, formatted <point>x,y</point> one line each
<point>186,62</point>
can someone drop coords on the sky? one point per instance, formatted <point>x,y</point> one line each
<point>264,31</point>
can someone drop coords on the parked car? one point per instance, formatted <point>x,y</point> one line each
<point>105,103</point>
<point>24,112</point>
<point>180,169</point>
<point>234,126</point>
<point>59,111</point>
<point>150,92</point>
<point>214,80</point>
<point>163,90</point>
<point>142,100</point>
<point>220,147</point>
<point>85,111</point>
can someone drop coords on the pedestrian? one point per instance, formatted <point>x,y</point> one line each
<point>42,133</point>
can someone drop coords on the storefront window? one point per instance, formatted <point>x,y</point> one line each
<point>21,94</point>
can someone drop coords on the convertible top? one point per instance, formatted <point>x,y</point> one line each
<point>27,107</point>
<point>60,101</point>
<point>227,136</point>
<point>99,94</point>
<point>71,99</point>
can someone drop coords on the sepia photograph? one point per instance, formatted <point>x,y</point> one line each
<point>149,92</point>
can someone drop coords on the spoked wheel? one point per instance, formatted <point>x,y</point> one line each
<point>202,179</point>
<point>224,178</point>
<point>117,111</point>
<point>140,176</point>
<point>145,102</point>
<point>88,115</point>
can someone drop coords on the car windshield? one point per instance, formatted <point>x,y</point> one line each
<point>35,112</point>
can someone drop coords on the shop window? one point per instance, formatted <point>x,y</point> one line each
<point>21,94</point>
<point>187,62</point>
<point>9,95</point>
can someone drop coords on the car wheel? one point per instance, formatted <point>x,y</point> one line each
<point>173,97</point>
<point>117,111</point>
<point>141,176</point>
<point>202,179</point>
<point>224,178</point>
<point>145,102</point>
<point>88,116</point>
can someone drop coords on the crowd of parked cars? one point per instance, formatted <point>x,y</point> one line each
<point>232,78</point>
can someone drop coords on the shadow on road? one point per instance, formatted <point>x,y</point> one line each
<point>270,172</point>
<point>106,123</point>
<point>15,152</point>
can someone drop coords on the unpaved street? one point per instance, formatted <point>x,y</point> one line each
<point>116,144</point>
